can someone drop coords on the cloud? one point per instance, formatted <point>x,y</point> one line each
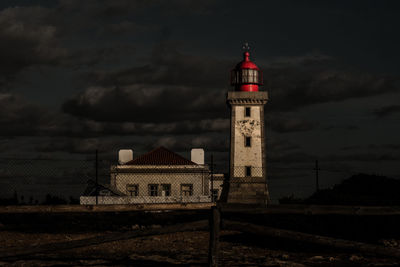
<point>36,35</point>
<point>308,60</point>
<point>347,127</point>
<point>104,9</point>
<point>92,56</point>
<point>168,66</point>
<point>124,28</point>
<point>350,147</point>
<point>387,146</point>
<point>176,97</point>
<point>286,123</point>
<point>27,38</point>
<point>216,143</point>
<point>195,85</point>
<point>108,147</point>
<point>386,111</point>
<point>295,87</point>
<point>176,128</point>
<point>290,157</point>
<point>370,153</point>
<point>19,117</point>
<point>71,145</point>
<point>283,151</point>
<point>364,157</point>
<point>141,103</point>
<point>373,147</point>
<point>168,108</point>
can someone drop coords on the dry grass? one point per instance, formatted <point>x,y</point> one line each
<point>180,249</point>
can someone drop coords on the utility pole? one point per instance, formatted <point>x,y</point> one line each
<point>316,176</point>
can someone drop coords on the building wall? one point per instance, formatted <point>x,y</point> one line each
<point>247,127</point>
<point>114,200</point>
<point>198,180</point>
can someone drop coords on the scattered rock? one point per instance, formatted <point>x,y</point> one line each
<point>285,264</point>
<point>94,262</point>
<point>285,257</point>
<point>317,258</point>
<point>389,242</point>
<point>163,259</point>
<point>355,258</point>
<point>183,249</point>
<point>331,259</point>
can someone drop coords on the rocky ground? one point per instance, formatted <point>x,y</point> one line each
<point>183,249</point>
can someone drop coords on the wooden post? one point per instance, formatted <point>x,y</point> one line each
<point>215,222</point>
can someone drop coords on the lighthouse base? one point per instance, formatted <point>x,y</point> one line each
<point>245,191</point>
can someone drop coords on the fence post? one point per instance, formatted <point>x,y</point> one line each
<point>212,178</point>
<point>97,181</point>
<point>215,222</point>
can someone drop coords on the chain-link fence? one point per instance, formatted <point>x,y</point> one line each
<point>43,181</point>
<point>92,181</point>
<point>95,180</point>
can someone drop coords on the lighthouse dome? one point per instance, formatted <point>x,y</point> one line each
<point>246,63</point>
<point>246,76</point>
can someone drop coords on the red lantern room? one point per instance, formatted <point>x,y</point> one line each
<point>246,76</point>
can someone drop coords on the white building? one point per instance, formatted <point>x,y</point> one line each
<point>160,176</point>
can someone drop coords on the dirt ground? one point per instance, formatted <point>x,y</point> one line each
<point>182,249</point>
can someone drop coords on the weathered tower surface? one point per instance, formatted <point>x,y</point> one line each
<point>247,182</point>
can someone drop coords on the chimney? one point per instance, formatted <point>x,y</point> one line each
<point>125,155</point>
<point>197,156</point>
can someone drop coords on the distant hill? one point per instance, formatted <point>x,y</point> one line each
<point>360,189</point>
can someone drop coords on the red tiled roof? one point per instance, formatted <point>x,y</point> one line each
<point>160,156</point>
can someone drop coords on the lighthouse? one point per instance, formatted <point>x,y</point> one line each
<point>247,183</point>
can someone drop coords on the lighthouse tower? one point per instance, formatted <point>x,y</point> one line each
<point>247,179</point>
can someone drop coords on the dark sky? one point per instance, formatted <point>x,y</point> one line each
<point>76,76</point>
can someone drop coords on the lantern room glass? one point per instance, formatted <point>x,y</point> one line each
<point>243,76</point>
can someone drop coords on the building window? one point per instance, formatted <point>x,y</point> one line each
<point>132,189</point>
<point>248,171</point>
<point>186,189</point>
<point>165,190</point>
<point>153,190</point>
<point>247,111</point>
<point>247,142</point>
